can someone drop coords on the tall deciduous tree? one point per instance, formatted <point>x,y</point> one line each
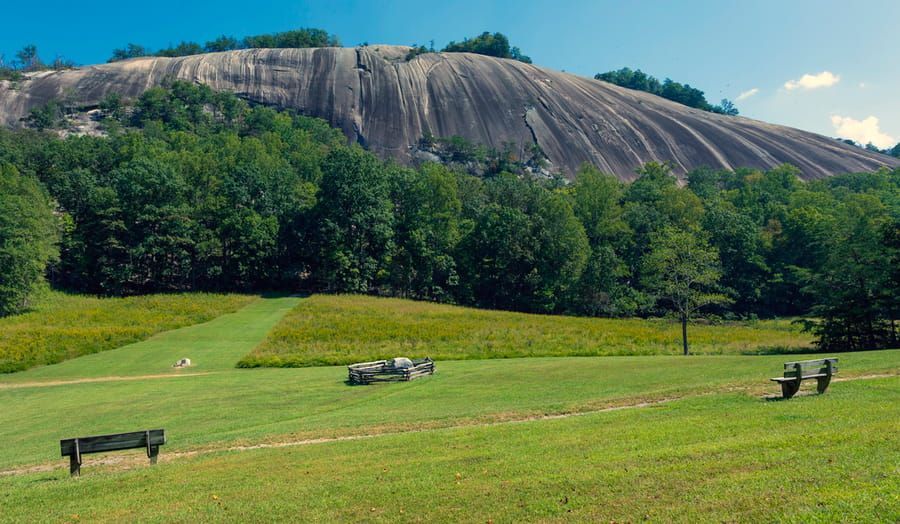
<point>355,221</point>
<point>683,270</point>
<point>28,235</point>
<point>428,212</point>
<point>856,285</point>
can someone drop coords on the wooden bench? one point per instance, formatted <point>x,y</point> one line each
<point>74,448</point>
<point>795,372</point>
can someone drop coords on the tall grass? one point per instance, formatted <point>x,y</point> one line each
<point>66,326</point>
<point>336,330</point>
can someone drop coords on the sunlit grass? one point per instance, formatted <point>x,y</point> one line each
<point>66,326</point>
<point>342,329</point>
<point>478,441</point>
<point>726,457</point>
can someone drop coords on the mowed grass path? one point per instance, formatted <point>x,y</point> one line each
<point>212,346</point>
<point>715,450</point>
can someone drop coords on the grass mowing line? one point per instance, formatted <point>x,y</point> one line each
<point>212,346</point>
<point>62,327</point>
<point>342,329</point>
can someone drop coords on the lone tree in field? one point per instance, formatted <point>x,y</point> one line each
<point>682,269</point>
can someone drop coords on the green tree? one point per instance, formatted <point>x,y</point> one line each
<point>354,217</point>
<point>856,285</point>
<point>28,235</point>
<point>182,49</point>
<point>428,228</point>
<point>526,250</point>
<point>675,91</point>
<point>598,204</point>
<point>158,226</point>
<point>129,51</point>
<point>223,43</point>
<point>744,269</point>
<point>726,107</point>
<point>488,44</point>
<point>29,58</point>
<point>652,202</point>
<point>48,116</point>
<point>682,269</point>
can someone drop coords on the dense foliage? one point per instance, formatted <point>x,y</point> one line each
<point>488,44</point>
<point>890,151</point>
<point>299,38</point>
<point>28,238</point>
<point>195,190</point>
<point>681,93</point>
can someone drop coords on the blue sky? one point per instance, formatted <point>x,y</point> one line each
<point>826,66</point>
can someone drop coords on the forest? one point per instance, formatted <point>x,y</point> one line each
<point>188,189</point>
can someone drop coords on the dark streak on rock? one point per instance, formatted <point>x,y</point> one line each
<point>381,100</point>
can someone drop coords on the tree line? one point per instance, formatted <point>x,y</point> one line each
<point>196,190</point>
<point>488,44</point>
<point>295,39</point>
<point>668,89</point>
<point>28,60</point>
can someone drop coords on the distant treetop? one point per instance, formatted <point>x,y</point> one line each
<point>300,38</point>
<point>674,91</point>
<point>488,44</point>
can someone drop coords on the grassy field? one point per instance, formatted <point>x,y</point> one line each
<point>697,439</point>
<point>64,326</point>
<point>342,329</point>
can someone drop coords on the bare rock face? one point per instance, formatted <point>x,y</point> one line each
<point>386,102</point>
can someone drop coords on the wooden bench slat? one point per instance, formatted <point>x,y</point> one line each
<point>796,372</point>
<point>114,442</point>
<point>74,448</point>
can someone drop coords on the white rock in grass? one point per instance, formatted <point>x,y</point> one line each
<point>400,363</point>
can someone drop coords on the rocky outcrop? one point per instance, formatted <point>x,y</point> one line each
<point>385,102</point>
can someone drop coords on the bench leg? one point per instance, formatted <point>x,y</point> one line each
<point>74,466</point>
<point>153,453</point>
<point>823,384</point>
<point>789,388</point>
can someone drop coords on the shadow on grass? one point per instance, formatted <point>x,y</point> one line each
<point>779,350</point>
<point>282,294</point>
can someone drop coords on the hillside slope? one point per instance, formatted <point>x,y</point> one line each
<point>385,102</point>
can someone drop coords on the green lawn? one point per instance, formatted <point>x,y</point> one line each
<point>342,329</point>
<point>63,326</point>
<point>469,444</point>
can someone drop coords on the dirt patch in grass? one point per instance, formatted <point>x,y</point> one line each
<point>47,383</point>
<point>130,461</point>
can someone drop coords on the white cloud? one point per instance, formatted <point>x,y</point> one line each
<point>747,94</point>
<point>823,79</point>
<point>862,132</point>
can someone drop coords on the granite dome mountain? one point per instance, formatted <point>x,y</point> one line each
<point>385,101</point>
